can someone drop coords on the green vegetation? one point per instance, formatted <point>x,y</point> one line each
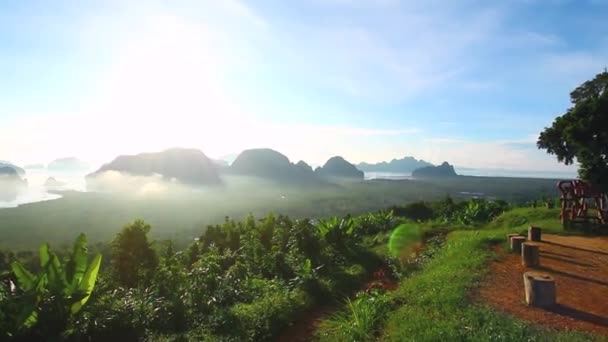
<point>432,302</point>
<point>180,216</point>
<point>242,280</point>
<point>249,280</point>
<point>44,304</point>
<point>580,134</point>
<point>358,321</point>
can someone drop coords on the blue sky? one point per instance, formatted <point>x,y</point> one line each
<point>470,82</point>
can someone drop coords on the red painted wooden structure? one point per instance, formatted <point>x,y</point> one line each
<point>577,198</point>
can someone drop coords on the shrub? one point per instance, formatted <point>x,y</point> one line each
<point>262,318</point>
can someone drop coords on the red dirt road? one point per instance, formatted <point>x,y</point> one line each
<point>579,266</point>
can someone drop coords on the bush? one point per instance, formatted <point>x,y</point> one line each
<point>417,211</point>
<point>262,318</point>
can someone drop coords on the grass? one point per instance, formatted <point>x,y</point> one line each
<point>358,321</point>
<point>519,219</point>
<point>434,303</point>
<point>435,306</point>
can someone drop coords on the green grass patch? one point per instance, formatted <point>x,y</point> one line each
<point>434,303</point>
<point>519,219</point>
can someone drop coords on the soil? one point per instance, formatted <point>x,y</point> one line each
<point>579,266</point>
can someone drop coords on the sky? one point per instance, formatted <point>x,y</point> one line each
<point>470,82</point>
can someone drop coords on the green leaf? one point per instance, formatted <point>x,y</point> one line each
<point>30,316</point>
<point>25,279</point>
<point>307,266</point>
<point>77,264</point>
<point>56,275</point>
<point>44,254</point>
<point>87,284</point>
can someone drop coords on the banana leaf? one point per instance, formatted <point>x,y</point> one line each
<point>87,283</point>
<point>25,279</point>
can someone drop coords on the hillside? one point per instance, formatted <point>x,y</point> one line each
<point>440,171</point>
<point>403,165</point>
<point>340,168</point>
<point>188,166</point>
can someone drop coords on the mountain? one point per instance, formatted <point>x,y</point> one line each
<point>68,164</point>
<point>17,169</point>
<point>8,172</point>
<point>190,166</point>
<point>404,165</point>
<point>270,164</point>
<point>338,167</point>
<point>9,176</point>
<point>10,183</point>
<point>443,170</point>
<point>304,166</point>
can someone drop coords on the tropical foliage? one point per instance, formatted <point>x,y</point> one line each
<point>581,133</point>
<point>240,280</point>
<point>42,304</point>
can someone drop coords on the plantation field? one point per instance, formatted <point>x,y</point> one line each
<point>182,216</point>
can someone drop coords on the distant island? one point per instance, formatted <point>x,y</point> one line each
<point>190,166</point>
<point>338,167</point>
<point>404,165</point>
<point>443,170</point>
<point>270,164</point>
<point>8,173</point>
<point>10,183</point>
<point>68,164</point>
<point>17,169</point>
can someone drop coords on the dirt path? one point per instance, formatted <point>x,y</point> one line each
<point>306,326</point>
<point>580,268</point>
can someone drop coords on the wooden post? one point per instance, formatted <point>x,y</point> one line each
<point>529,254</point>
<point>511,235</point>
<point>534,233</point>
<point>540,289</point>
<point>516,242</point>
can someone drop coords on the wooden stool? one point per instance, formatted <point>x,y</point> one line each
<point>534,233</point>
<point>529,254</point>
<point>516,242</point>
<point>540,289</point>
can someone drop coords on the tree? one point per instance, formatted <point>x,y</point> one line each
<point>133,259</point>
<point>582,132</point>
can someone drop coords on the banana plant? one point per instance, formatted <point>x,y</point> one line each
<point>336,231</point>
<point>71,284</point>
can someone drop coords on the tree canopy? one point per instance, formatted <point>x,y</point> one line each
<point>133,259</point>
<point>581,134</point>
